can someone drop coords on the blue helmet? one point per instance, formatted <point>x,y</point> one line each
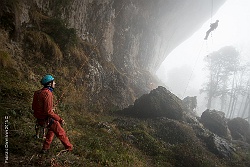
<point>46,79</point>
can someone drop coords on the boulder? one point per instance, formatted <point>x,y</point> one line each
<point>158,103</point>
<point>216,122</point>
<point>240,129</point>
<point>220,146</point>
<point>190,103</point>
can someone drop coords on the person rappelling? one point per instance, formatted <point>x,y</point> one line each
<point>213,26</point>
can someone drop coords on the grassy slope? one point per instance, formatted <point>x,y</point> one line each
<point>94,145</point>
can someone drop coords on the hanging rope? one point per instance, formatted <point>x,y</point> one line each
<point>211,18</point>
<point>95,47</point>
<point>211,21</point>
<point>212,9</point>
<point>193,70</point>
<point>207,49</point>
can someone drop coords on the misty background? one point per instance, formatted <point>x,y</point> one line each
<point>183,71</point>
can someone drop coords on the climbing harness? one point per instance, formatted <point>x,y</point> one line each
<point>40,131</point>
<point>41,127</point>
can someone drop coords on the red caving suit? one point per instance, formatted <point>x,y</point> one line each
<point>43,110</point>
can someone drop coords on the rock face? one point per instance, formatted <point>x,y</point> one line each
<point>124,41</point>
<point>175,125</point>
<point>220,146</point>
<point>190,103</point>
<point>158,103</point>
<point>216,122</point>
<point>240,129</point>
<point>133,33</point>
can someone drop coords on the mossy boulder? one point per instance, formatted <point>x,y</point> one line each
<point>216,122</point>
<point>240,129</point>
<point>160,102</point>
<point>220,146</point>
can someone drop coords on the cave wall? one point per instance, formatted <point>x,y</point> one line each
<point>138,34</point>
<point>134,36</point>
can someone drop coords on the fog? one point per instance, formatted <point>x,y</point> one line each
<point>183,69</point>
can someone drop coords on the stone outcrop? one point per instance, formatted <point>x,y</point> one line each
<point>240,129</point>
<point>174,125</point>
<point>190,104</point>
<point>160,102</point>
<point>220,146</point>
<point>216,122</point>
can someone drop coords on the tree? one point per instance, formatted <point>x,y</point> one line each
<point>246,98</point>
<point>239,89</point>
<point>221,65</point>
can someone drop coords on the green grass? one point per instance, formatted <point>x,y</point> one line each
<point>93,145</point>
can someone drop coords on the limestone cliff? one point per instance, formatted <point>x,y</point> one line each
<point>124,41</point>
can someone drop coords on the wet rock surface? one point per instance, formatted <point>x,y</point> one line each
<point>220,146</point>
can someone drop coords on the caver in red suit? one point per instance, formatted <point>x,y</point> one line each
<point>43,110</point>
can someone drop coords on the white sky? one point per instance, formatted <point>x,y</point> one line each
<point>233,30</point>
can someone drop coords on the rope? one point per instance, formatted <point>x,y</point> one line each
<point>193,69</point>
<point>212,8</point>
<point>74,78</point>
<point>95,47</point>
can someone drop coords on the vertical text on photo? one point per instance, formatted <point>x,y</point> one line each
<point>6,137</point>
